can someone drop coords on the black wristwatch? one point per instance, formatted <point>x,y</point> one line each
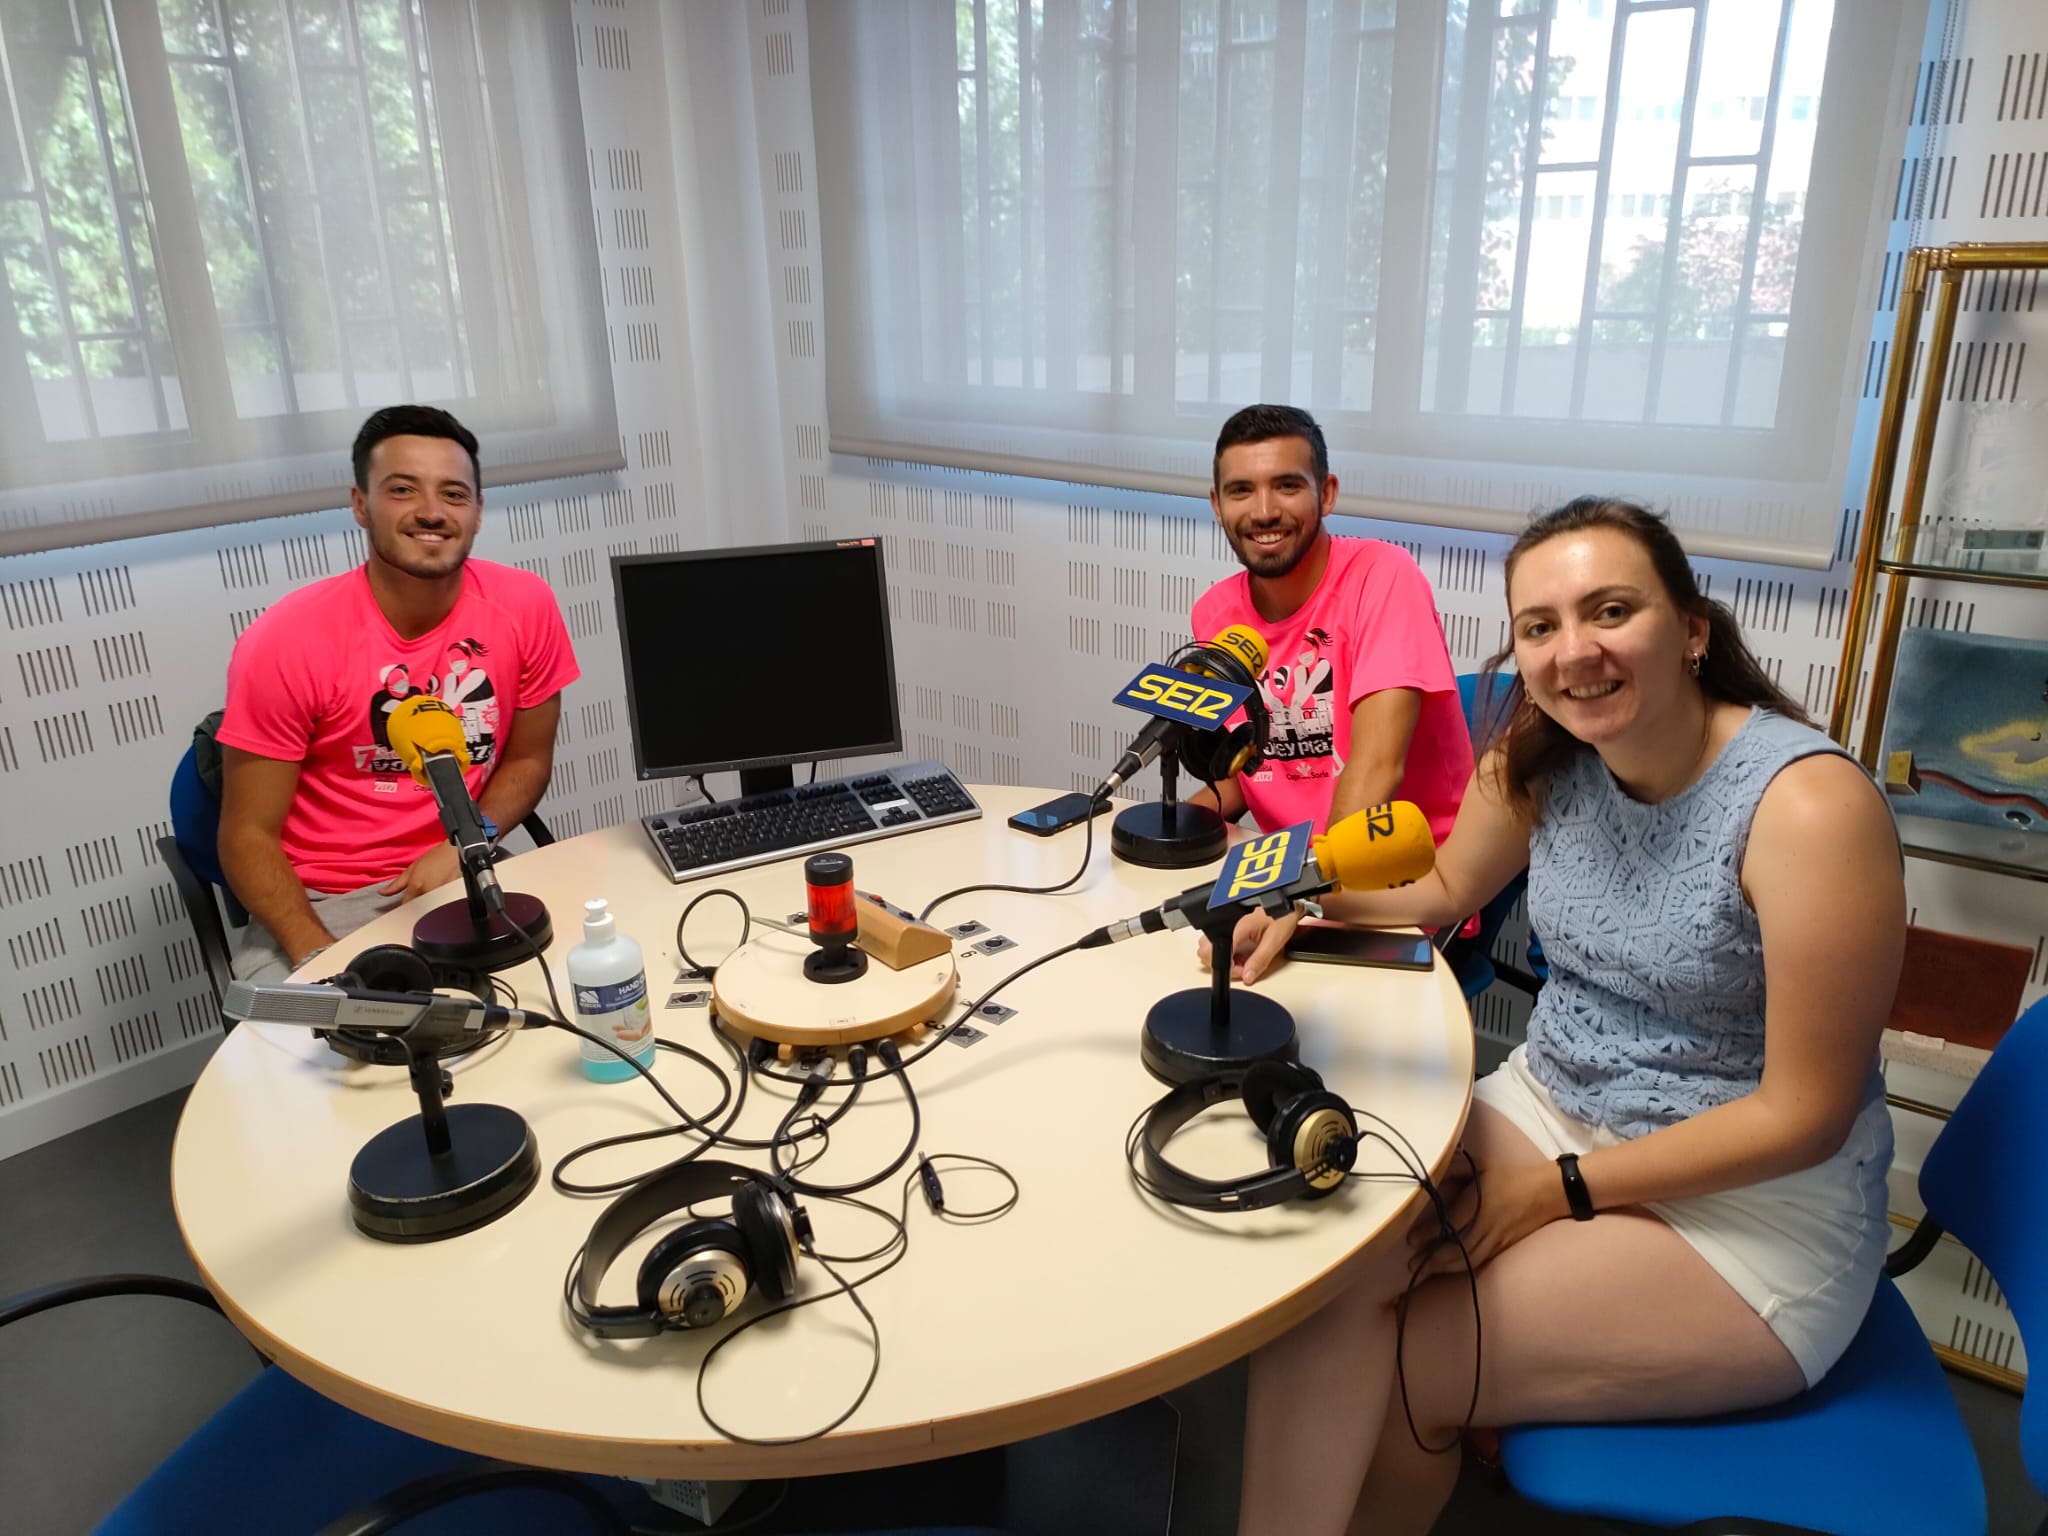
<point>1575,1194</point>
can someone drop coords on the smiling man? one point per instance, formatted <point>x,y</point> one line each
<point>1358,680</point>
<point>322,827</point>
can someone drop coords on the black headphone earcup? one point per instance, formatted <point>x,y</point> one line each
<point>391,968</point>
<point>719,1288</point>
<point>1214,756</point>
<point>1314,1130</point>
<point>768,1226</point>
<point>1269,1084</point>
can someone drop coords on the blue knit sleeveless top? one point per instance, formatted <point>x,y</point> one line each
<point>1654,1010</point>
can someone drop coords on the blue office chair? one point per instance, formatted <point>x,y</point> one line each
<point>1878,1448</point>
<point>191,855</point>
<point>280,1457</point>
<point>1471,957</point>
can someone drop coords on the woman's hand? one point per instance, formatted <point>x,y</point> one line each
<point>1256,946</point>
<point>1513,1200</point>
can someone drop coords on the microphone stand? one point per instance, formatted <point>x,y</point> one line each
<point>443,1171</point>
<point>1218,1028</point>
<point>475,933</point>
<point>1168,835</point>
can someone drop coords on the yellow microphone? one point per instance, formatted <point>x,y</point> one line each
<point>1369,850</point>
<point>1373,850</point>
<point>1241,643</point>
<point>423,725</point>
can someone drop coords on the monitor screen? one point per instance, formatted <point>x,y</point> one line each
<point>755,658</point>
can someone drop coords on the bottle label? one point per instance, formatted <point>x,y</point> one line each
<point>617,1008</point>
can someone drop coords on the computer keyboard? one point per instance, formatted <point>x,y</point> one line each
<point>832,813</point>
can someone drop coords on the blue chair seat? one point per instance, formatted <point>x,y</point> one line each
<point>280,1457</point>
<point>1877,1449</point>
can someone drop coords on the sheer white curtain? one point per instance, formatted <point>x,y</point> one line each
<point>230,229</point>
<point>1507,251</point>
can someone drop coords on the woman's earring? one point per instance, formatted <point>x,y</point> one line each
<point>1695,661</point>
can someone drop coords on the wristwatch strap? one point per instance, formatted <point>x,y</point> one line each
<point>1575,1192</point>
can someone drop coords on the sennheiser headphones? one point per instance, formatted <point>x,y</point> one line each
<point>698,1274</point>
<point>1311,1139</point>
<point>399,968</point>
<point>1215,755</point>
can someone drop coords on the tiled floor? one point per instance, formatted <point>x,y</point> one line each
<point>97,1395</point>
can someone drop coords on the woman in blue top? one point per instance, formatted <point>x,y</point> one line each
<point>1721,899</point>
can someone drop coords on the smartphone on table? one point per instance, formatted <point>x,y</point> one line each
<point>1333,944</point>
<point>1064,811</point>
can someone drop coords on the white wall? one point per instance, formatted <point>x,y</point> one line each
<point>1019,606</point>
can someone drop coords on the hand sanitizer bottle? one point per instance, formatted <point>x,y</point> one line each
<point>610,986</point>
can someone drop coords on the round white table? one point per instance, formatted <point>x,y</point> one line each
<point>1085,1298</point>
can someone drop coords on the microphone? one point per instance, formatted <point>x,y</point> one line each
<point>323,1005</point>
<point>428,738</point>
<point>1240,643</point>
<point>1374,849</point>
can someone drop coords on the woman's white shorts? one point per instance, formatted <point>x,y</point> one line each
<point>1804,1250</point>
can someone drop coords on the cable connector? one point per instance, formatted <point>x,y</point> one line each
<point>814,1084</point>
<point>892,1059</point>
<point>934,1192</point>
<point>857,1061</point>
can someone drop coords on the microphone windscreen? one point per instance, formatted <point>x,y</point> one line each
<point>1245,643</point>
<point>1381,846</point>
<point>423,724</point>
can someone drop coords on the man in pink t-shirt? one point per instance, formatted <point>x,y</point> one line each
<point>321,825</point>
<point>1358,680</point>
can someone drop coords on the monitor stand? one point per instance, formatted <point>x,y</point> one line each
<point>758,781</point>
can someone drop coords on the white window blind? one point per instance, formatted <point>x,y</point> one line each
<point>1507,251</point>
<point>230,229</point>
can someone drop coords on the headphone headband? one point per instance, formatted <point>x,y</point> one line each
<point>636,1210</point>
<point>1278,1183</point>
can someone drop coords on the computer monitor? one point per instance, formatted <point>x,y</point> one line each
<point>750,660</point>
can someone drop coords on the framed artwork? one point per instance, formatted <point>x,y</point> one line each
<point>1971,711</point>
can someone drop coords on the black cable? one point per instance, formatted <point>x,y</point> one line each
<point>709,798</point>
<point>746,925</point>
<point>839,1191</point>
<point>1087,849</point>
<point>899,1241</point>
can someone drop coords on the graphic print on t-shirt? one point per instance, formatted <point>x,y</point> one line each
<point>1300,696</point>
<point>464,686</point>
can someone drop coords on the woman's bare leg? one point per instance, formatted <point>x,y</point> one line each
<point>1577,1325</point>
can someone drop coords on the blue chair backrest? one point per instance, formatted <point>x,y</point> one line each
<point>1986,1181</point>
<point>195,819</point>
<point>1484,697</point>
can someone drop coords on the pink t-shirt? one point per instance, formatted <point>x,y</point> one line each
<point>1370,624</point>
<point>314,680</point>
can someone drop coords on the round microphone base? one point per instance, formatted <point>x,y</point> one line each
<point>399,1192</point>
<point>1168,836</point>
<point>451,935</point>
<point>1181,1043</point>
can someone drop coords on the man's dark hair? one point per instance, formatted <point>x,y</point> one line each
<point>412,421</point>
<point>1263,423</point>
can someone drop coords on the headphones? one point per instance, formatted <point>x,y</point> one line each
<point>1215,755</point>
<point>698,1274</point>
<point>1311,1139</point>
<point>399,968</point>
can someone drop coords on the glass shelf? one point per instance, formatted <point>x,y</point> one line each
<point>2035,579</point>
<point>2023,855</point>
<point>1936,550</point>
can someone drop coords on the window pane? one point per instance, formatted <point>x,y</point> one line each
<point>206,118</point>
